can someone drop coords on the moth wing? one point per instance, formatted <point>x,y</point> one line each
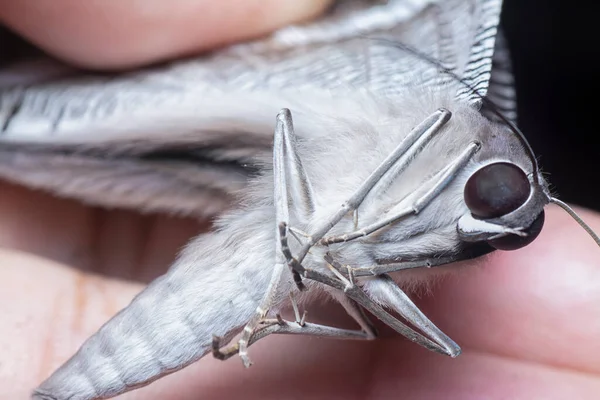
<point>183,137</point>
<point>501,91</point>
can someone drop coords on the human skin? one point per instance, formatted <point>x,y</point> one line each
<point>104,34</point>
<point>528,320</point>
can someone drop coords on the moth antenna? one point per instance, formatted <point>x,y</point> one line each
<point>577,218</point>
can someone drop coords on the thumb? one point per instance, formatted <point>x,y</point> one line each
<point>47,311</point>
<point>128,33</point>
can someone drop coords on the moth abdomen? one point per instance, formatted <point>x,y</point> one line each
<point>125,352</point>
<point>171,323</point>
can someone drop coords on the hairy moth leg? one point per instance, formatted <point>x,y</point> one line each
<point>353,309</point>
<point>300,320</point>
<point>297,180</point>
<point>354,292</point>
<point>282,327</point>
<point>441,180</point>
<point>383,290</point>
<point>393,165</point>
<point>288,174</point>
<point>299,327</point>
<point>394,266</point>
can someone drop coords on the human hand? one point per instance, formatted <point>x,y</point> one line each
<point>128,33</point>
<point>528,321</point>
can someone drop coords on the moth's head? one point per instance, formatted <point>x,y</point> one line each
<point>504,191</point>
<point>506,205</point>
<point>506,194</point>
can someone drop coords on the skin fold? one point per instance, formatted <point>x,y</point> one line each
<point>528,321</point>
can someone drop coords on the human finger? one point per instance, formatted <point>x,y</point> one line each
<point>124,34</point>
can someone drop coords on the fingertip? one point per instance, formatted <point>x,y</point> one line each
<point>125,34</point>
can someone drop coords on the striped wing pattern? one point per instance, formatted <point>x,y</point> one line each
<point>127,140</point>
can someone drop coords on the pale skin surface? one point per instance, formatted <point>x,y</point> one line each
<point>528,321</point>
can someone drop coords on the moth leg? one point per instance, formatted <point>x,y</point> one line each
<point>356,312</point>
<point>426,195</point>
<point>225,353</point>
<point>298,182</point>
<point>280,326</point>
<point>300,320</point>
<point>287,167</point>
<point>351,307</point>
<point>384,290</point>
<point>301,327</point>
<point>393,165</point>
<point>378,269</point>
<point>291,180</point>
<point>356,293</point>
<point>387,267</point>
<point>296,233</point>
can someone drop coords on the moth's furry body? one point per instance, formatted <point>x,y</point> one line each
<point>341,141</point>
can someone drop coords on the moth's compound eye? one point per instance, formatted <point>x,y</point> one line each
<point>496,189</point>
<point>514,242</point>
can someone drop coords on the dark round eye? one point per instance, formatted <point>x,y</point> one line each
<point>514,242</point>
<point>496,189</point>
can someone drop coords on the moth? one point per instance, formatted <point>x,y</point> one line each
<point>347,160</point>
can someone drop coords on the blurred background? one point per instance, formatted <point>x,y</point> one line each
<point>554,45</point>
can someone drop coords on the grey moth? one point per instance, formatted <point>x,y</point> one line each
<point>334,157</point>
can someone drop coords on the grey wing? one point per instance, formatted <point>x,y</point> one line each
<point>501,90</point>
<point>154,139</point>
